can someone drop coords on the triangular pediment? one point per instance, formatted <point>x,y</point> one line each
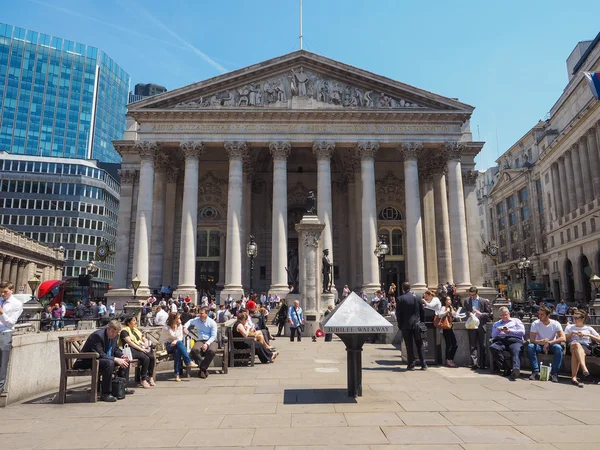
<point>507,177</point>
<point>300,80</point>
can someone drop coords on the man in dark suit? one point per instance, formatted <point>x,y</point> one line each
<point>105,342</point>
<point>409,312</point>
<point>482,309</point>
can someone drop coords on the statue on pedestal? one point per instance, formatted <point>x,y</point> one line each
<point>326,272</point>
<point>311,203</point>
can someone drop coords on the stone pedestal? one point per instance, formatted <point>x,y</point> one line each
<point>309,236</point>
<point>326,300</point>
<point>121,297</point>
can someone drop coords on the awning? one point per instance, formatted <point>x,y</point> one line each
<point>47,286</point>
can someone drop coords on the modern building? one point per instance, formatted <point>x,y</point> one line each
<point>59,98</point>
<point>143,91</point>
<point>546,203</point>
<point>21,258</point>
<point>207,165</point>
<point>62,202</point>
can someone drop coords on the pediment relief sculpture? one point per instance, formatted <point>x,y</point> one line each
<point>277,91</point>
<point>211,185</point>
<point>389,189</point>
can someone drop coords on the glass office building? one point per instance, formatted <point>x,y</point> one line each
<point>59,98</point>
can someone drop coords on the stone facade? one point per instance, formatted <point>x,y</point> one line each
<point>249,145</point>
<point>21,258</point>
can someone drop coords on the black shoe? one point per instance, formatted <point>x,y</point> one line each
<point>474,367</point>
<point>515,374</point>
<point>506,372</point>
<point>129,391</point>
<point>410,367</point>
<point>424,367</point>
<point>554,378</point>
<point>108,398</point>
<point>203,373</point>
<point>534,376</point>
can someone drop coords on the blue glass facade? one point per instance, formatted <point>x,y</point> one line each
<point>59,98</point>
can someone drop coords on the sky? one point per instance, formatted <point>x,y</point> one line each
<point>506,58</point>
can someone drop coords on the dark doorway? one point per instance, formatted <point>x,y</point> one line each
<point>586,273</point>
<point>570,281</point>
<point>207,276</point>
<point>393,272</point>
<point>556,291</point>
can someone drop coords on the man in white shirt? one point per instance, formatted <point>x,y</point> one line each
<point>10,311</point>
<point>545,336</point>
<point>206,346</point>
<point>161,316</point>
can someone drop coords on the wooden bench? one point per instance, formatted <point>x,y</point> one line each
<point>240,355</point>
<point>70,351</point>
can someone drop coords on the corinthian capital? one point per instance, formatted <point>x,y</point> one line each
<point>280,150</point>
<point>367,149</point>
<point>323,149</point>
<point>410,150</point>
<point>454,150</point>
<point>127,176</point>
<point>192,149</point>
<point>146,149</point>
<point>470,177</point>
<point>236,149</point>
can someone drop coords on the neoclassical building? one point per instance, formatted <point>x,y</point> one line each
<point>207,165</point>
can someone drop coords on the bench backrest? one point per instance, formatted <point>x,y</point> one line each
<point>69,344</point>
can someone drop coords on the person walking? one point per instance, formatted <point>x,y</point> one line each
<point>410,314</point>
<point>296,320</point>
<point>10,311</point>
<point>480,308</point>
<point>281,317</point>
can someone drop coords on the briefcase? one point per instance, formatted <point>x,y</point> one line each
<point>118,387</point>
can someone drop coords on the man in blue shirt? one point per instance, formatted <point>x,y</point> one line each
<point>296,321</point>
<point>206,346</point>
<point>507,334</point>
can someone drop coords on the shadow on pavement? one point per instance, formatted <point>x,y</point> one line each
<point>316,396</point>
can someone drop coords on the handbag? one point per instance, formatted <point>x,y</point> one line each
<point>595,348</point>
<point>127,352</point>
<point>443,323</point>
<point>118,387</point>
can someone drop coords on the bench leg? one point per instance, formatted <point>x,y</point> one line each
<point>62,391</point>
<point>94,382</point>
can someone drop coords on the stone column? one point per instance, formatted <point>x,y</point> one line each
<point>558,206</point>
<point>352,232</point>
<point>358,266</point>
<point>432,275</point>
<point>58,270</point>
<point>594,159</point>
<point>586,174</point>
<point>20,269</point>
<point>249,162</point>
<point>570,181</point>
<point>458,222</point>
<point>233,256</point>
<point>222,244</point>
<point>127,176</point>
<point>579,194</point>
<point>280,152</point>
<point>367,151</point>
<point>414,225</point>
<point>189,220</point>
<point>442,224</point>
<point>143,230</point>
<point>157,245</point>
<point>168,256</point>
<point>14,266</point>
<point>564,194</point>
<point>469,179</point>
<point>323,151</point>
<point>6,268</point>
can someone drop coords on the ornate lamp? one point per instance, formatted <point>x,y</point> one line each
<point>381,249</point>
<point>34,283</point>
<point>251,251</point>
<point>135,284</point>
<point>595,282</point>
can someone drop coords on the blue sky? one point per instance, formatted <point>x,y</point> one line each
<point>505,58</point>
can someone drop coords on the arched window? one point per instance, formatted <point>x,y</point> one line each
<point>396,248</point>
<point>390,213</point>
<point>209,244</point>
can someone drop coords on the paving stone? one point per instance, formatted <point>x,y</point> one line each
<point>379,419</point>
<point>480,418</point>
<point>587,417</point>
<point>324,436</point>
<point>472,405</point>
<point>554,434</point>
<point>307,420</point>
<point>420,435</point>
<point>538,418</point>
<point>530,405</point>
<point>423,419</point>
<point>262,420</point>
<point>422,405</point>
<point>490,435</point>
<point>231,438</point>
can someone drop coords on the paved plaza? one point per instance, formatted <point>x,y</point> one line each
<point>300,402</point>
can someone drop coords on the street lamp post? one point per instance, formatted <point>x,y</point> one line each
<point>251,251</point>
<point>523,265</point>
<point>34,283</point>
<point>595,306</point>
<point>381,249</point>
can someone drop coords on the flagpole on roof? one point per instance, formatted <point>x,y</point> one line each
<point>300,24</point>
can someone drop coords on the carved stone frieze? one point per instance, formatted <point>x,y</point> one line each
<point>367,149</point>
<point>277,90</point>
<point>470,177</point>
<point>297,195</point>
<point>192,149</point>
<point>161,162</point>
<point>311,239</point>
<point>127,176</point>
<point>146,149</point>
<point>323,149</point>
<point>212,191</point>
<point>389,190</point>
<point>172,174</point>
<point>280,150</point>
<point>236,149</point>
<point>454,150</point>
<point>410,151</point>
